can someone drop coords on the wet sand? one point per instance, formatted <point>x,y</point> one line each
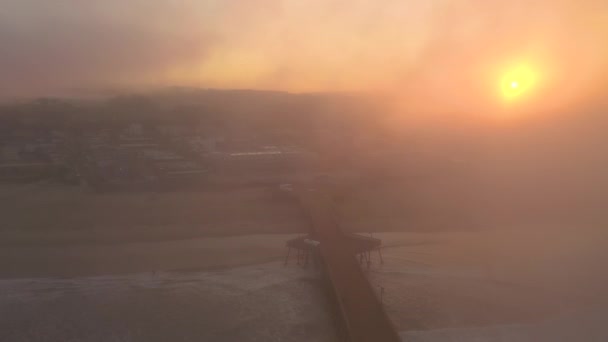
<point>89,259</point>
<point>44,214</point>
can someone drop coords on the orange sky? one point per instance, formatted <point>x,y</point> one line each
<point>432,54</point>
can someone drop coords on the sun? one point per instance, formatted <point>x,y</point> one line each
<point>517,81</point>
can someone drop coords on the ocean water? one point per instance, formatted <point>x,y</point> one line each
<point>435,287</point>
<point>266,302</point>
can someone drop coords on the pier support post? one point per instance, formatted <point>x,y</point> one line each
<point>287,256</point>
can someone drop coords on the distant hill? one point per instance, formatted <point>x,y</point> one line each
<point>177,103</point>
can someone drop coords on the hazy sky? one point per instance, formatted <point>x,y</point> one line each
<point>450,50</point>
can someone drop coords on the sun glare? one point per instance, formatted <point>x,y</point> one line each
<point>517,81</point>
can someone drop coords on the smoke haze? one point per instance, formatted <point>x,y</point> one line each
<point>411,50</point>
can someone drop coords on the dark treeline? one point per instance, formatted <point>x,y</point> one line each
<point>213,107</point>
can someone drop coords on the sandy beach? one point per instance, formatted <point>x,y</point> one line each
<point>188,283</point>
